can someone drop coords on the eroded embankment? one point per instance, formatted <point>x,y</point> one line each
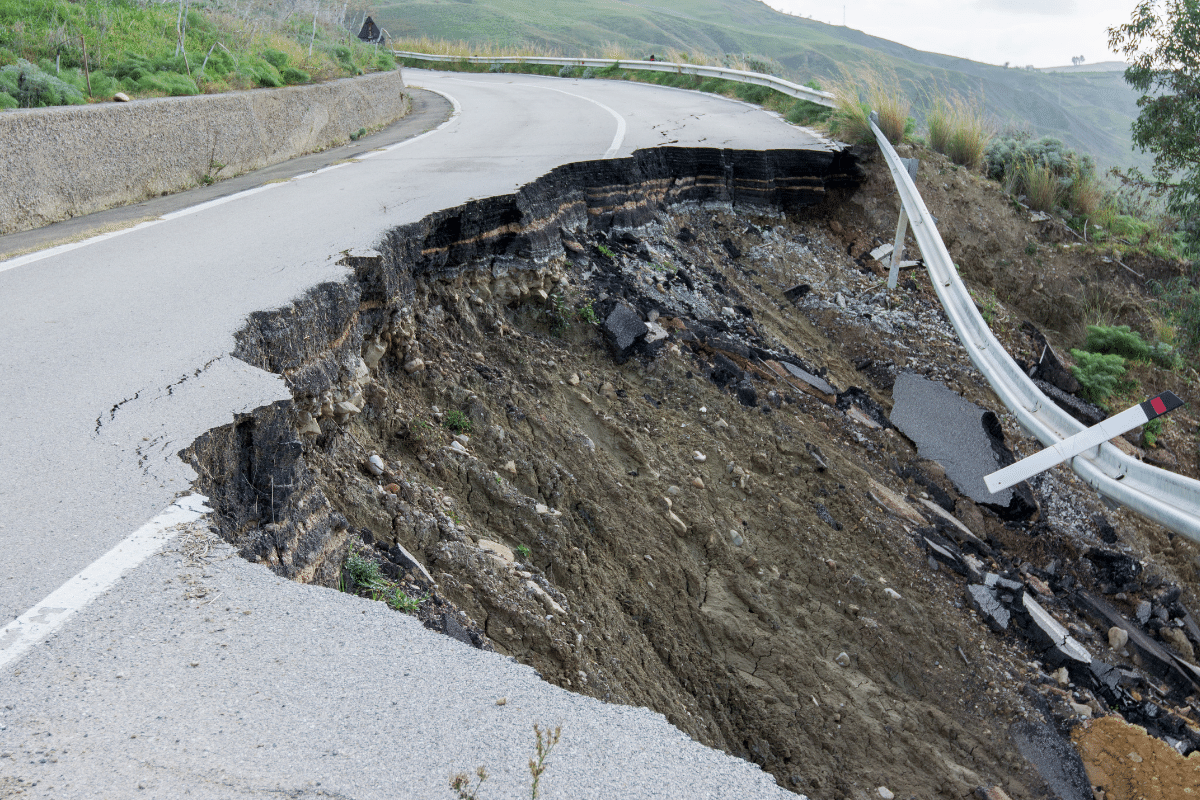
<point>697,504</point>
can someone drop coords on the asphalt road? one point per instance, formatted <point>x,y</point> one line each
<point>218,679</point>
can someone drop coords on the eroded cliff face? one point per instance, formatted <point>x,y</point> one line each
<point>630,426</point>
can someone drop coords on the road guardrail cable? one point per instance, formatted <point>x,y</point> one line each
<point>1166,497</point>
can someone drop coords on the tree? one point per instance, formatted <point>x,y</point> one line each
<point>1162,41</point>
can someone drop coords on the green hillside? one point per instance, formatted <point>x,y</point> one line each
<point>1091,111</point>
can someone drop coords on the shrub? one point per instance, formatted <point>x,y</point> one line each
<point>33,87</point>
<point>384,61</point>
<point>276,58</point>
<point>1119,339</point>
<point>7,101</point>
<point>1128,343</point>
<point>294,75</point>
<point>969,135</point>
<point>1097,373</point>
<point>853,104</point>
<point>807,113</point>
<point>169,83</point>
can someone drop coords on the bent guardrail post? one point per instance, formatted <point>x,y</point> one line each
<point>901,229</point>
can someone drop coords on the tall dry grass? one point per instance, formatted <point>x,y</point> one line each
<point>1043,191</point>
<point>855,96</point>
<point>959,129</point>
<point>939,119</point>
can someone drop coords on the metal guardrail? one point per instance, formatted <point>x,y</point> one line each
<point>1170,499</point>
<point>1165,497</point>
<point>741,76</point>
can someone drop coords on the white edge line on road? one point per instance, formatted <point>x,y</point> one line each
<point>30,258</point>
<point>60,605</point>
<point>455,112</point>
<point>618,139</point>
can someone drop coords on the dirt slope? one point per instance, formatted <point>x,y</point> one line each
<point>683,523</point>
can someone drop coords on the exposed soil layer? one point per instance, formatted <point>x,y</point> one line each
<point>630,426</point>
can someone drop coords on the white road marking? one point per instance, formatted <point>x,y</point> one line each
<point>618,139</point>
<point>30,258</point>
<point>47,616</point>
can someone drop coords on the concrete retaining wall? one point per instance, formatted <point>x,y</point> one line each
<point>62,162</point>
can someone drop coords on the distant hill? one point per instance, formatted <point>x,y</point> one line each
<point>1101,66</point>
<point>1089,110</point>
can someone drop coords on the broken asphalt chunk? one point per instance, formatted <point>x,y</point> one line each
<point>1115,571</point>
<point>1155,658</point>
<point>964,438</point>
<point>622,328</point>
<point>983,600</point>
<point>1058,647</point>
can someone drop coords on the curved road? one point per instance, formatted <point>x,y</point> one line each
<point>116,357</point>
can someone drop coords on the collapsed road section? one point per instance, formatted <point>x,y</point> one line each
<point>633,426</point>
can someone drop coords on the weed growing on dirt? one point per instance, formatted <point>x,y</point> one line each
<point>399,601</point>
<point>1043,192</point>
<point>369,581</point>
<point>1179,302</point>
<point>587,314</point>
<point>365,571</point>
<point>523,551</point>
<point>606,252</point>
<point>457,422</point>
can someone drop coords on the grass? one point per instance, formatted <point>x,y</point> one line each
<point>958,129</point>
<point>1043,192</point>
<point>367,580</point>
<point>149,50</point>
<point>856,96</point>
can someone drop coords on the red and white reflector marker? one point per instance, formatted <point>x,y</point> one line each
<point>1094,436</point>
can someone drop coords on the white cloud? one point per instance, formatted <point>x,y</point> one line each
<point>1014,7</point>
<point>1044,33</point>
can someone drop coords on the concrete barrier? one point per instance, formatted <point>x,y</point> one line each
<point>57,163</point>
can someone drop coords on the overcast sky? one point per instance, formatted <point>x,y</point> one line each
<point>1044,33</point>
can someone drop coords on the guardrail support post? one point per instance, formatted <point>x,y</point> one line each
<point>911,165</point>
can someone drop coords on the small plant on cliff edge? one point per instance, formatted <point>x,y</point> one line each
<point>523,551</point>
<point>587,314</point>
<point>606,252</point>
<point>457,421</point>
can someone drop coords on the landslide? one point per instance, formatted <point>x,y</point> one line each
<point>683,523</point>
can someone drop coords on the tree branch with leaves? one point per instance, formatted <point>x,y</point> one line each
<point>1162,43</point>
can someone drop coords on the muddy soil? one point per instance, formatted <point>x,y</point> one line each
<point>677,519</point>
